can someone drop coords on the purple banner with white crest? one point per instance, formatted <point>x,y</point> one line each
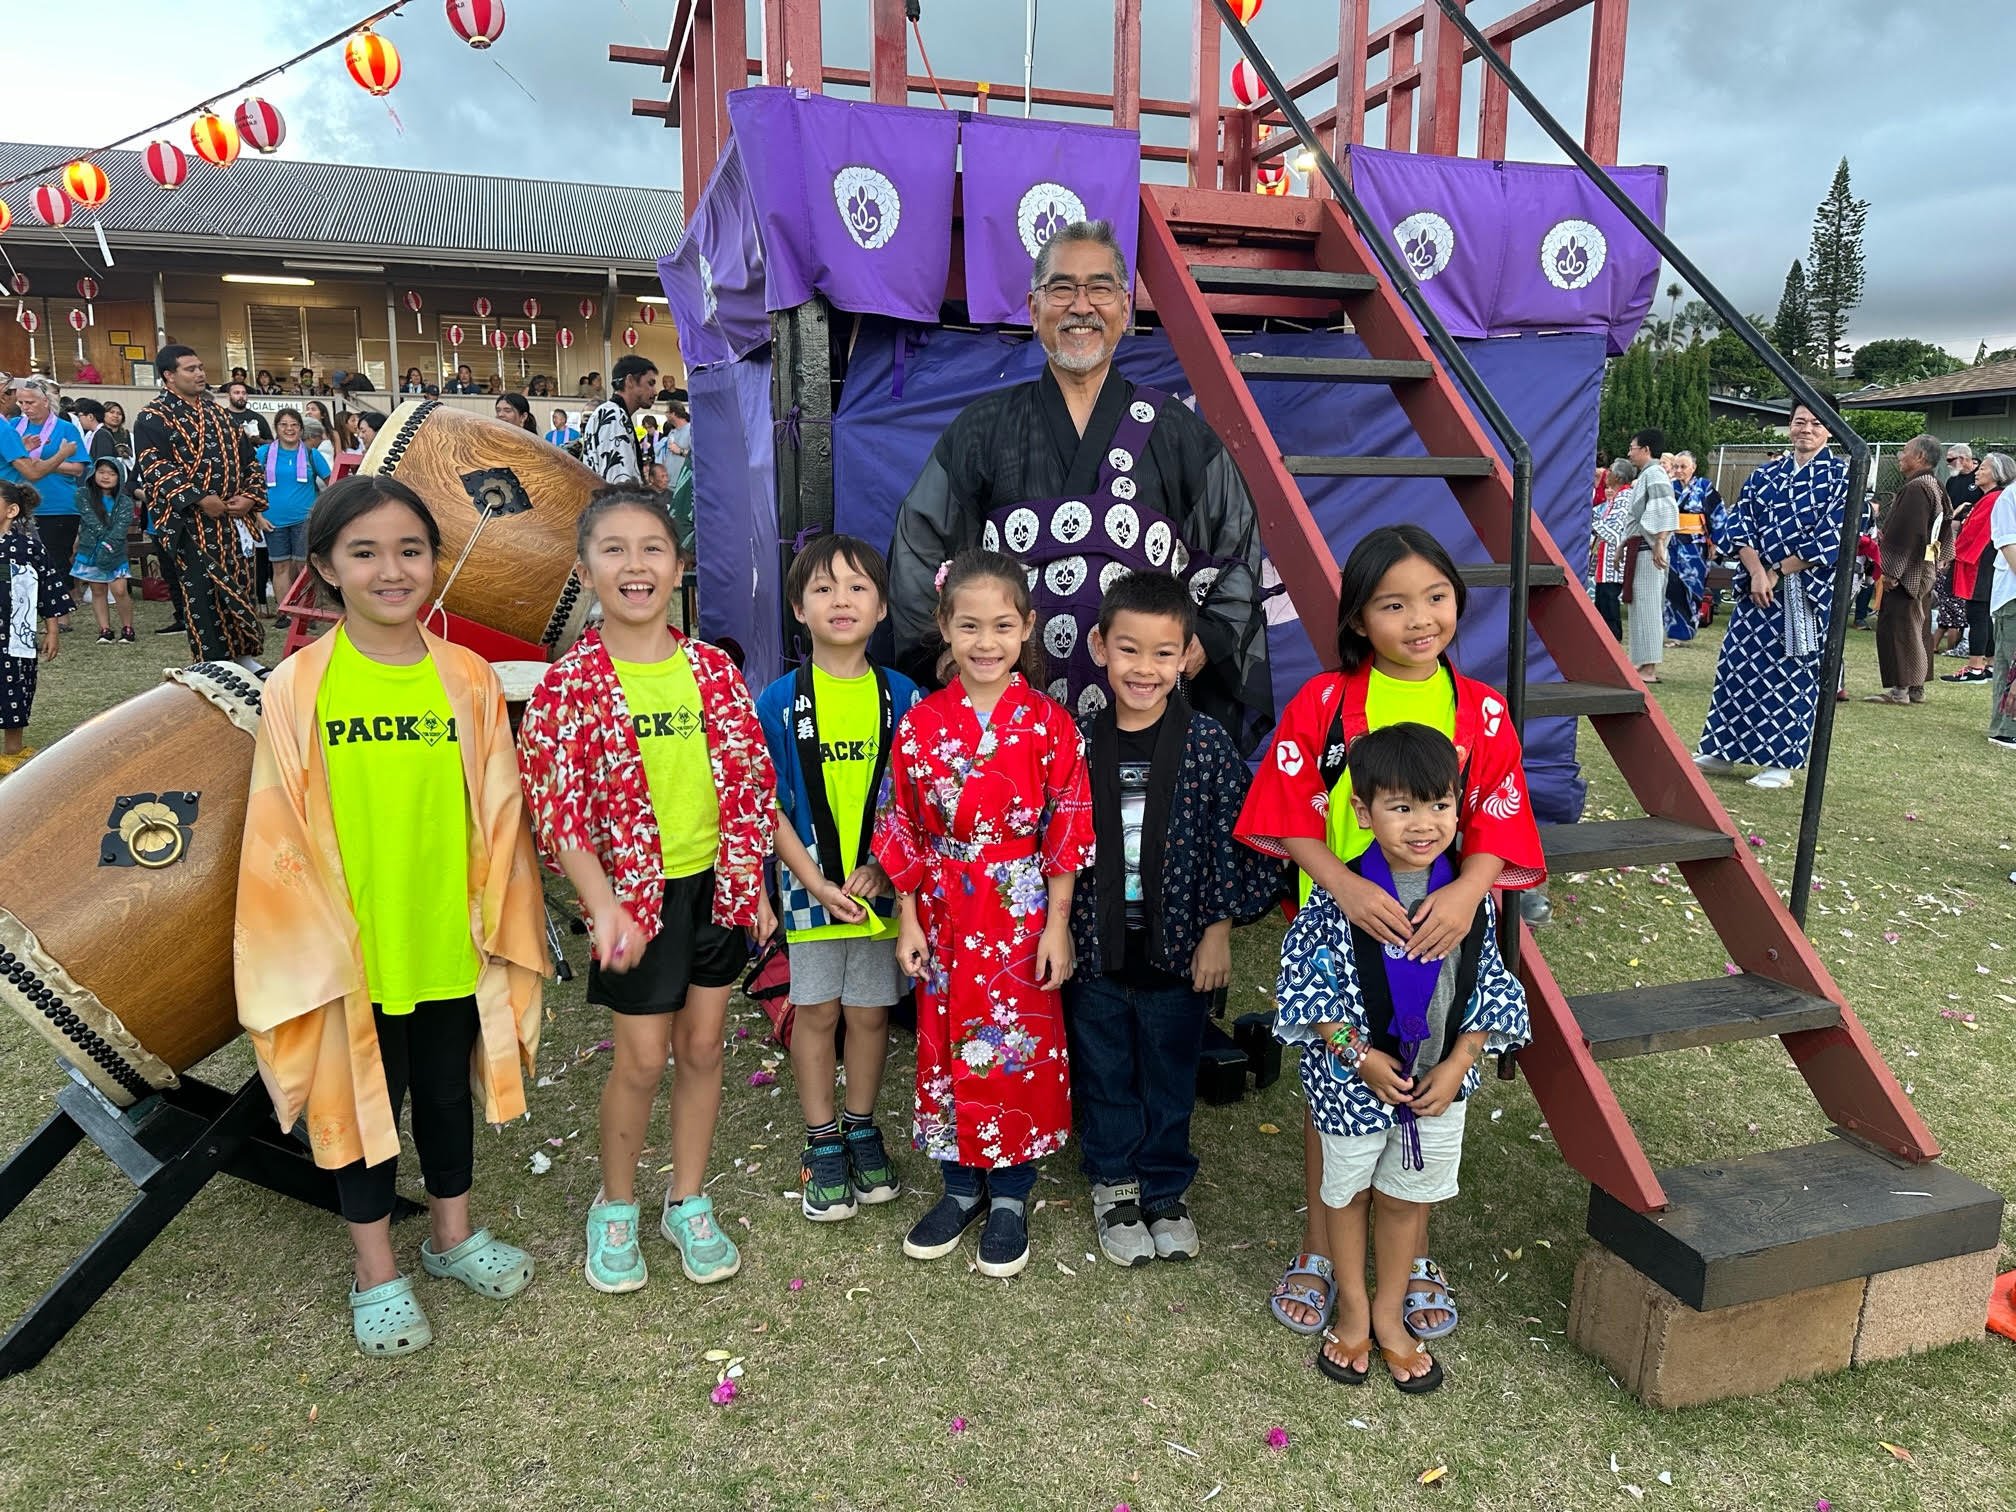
<point>1502,248</point>
<point>852,200</point>
<point>714,281</point>
<point>1024,180</point>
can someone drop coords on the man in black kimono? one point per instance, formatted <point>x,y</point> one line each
<point>1084,476</point>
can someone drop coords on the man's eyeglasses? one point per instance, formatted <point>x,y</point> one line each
<point>1101,293</point>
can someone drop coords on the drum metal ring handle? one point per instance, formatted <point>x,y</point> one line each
<point>153,836</point>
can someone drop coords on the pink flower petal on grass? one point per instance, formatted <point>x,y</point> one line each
<point>1891,937</point>
<point>741,1031</point>
<point>1730,968</point>
<point>762,1078</point>
<point>797,1283</point>
<point>957,1425</point>
<point>723,1394</point>
<point>1910,818</point>
<point>1756,841</point>
<point>1277,1438</point>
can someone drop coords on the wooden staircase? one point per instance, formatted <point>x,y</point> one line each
<point>1207,254</point>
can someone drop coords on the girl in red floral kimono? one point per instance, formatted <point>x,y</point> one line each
<point>651,788</point>
<point>1401,596</point>
<point>990,823</point>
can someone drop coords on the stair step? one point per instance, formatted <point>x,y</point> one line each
<point>1499,575</point>
<point>1784,1220</point>
<point>1682,1015</point>
<point>1603,844</point>
<point>1334,369</point>
<point>1390,467</point>
<point>1291,283</point>
<point>1573,700</point>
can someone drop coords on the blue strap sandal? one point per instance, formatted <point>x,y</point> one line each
<point>484,1263</point>
<point>1432,1295</point>
<point>387,1319</point>
<point>1321,1302</point>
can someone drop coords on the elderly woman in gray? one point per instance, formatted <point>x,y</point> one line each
<point>1652,515</point>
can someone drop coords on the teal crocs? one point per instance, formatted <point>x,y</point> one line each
<point>615,1259</point>
<point>705,1253</point>
<point>387,1319</point>
<point>484,1263</point>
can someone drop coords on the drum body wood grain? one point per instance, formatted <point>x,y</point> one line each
<point>519,497</point>
<point>119,881</point>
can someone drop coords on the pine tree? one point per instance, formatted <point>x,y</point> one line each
<point>1792,330</point>
<point>1834,269</point>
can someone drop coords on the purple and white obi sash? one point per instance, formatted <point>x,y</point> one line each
<point>1075,548</point>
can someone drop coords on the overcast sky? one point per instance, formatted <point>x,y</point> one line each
<point>1750,103</point>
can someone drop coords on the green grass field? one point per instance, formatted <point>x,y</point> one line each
<point>220,1372</point>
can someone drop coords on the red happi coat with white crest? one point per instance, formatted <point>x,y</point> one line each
<point>980,820</point>
<point>1290,798</point>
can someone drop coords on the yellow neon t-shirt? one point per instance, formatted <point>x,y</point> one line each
<point>672,735</point>
<point>402,824</point>
<point>849,714</point>
<point>1388,701</point>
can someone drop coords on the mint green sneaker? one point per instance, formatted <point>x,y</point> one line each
<point>705,1253</point>
<point>615,1260</point>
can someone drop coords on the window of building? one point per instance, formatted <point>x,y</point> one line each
<point>1970,407</point>
<point>287,338</point>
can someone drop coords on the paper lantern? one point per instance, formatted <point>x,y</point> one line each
<point>587,308</point>
<point>1245,10</point>
<point>482,307</point>
<point>477,22</point>
<point>215,140</point>
<point>531,308</point>
<point>1270,178</point>
<point>166,164</point>
<point>413,303</point>
<point>648,313</point>
<point>565,337</point>
<point>84,182</point>
<point>29,320</point>
<point>87,289</point>
<point>263,127</point>
<point>52,205</point>
<point>77,320</point>
<point>19,283</point>
<point>524,339</point>
<point>1247,87</point>
<point>629,336</point>
<point>454,335</point>
<point>373,62</point>
<point>500,338</point>
<point>6,217</point>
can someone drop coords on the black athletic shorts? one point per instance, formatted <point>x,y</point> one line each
<point>691,950</point>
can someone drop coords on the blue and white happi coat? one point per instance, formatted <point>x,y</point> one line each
<point>1766,693</point>
<point>1319,985</point>
<point>1687,557</point>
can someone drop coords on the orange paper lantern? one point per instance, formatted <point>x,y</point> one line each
<point>373,62</point>
<point>6,217</point>
<point>1245,10</point>
<point>85,183</point>
<point>215,140</point>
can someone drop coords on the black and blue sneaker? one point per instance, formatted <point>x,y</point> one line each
<point>1004,1245</point>
<point>938,1232</point>
<point>869,1167</point>
<point>828,1193</point>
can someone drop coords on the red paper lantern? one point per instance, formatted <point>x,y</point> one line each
<point>373,62</point>
<point>482,307</point>
<point>30,321</point>
<point>531,308</point>
<point>629,336</point>
<point>477,22</point>
<point>215,140</point>
<point>52,205</point>
<point>77,321</point>
<point>1245,10</point>
<point>648,313</point>
<point>6,217</point>
<point>261,125</point>
<point>19,283</point>
<point>454,335</point>
<point>587,308</point>
<point>413,300</point>
<point>500,338</point>
<point>1247,87</point>
<point>565,337</point>
<point>166,164</point>
<point>1270,178</point>
<point>524,341</point>
<point>84,182</point>
<point>87,289</point>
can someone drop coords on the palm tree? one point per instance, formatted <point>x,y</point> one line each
<point>1668,330</point>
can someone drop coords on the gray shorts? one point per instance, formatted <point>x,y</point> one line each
<point>860,973</point>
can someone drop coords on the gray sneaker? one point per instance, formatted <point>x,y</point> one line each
<point>1123,1234</point>
<point>1173,1233</point>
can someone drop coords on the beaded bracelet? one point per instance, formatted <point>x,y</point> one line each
<point>1344,1045</point>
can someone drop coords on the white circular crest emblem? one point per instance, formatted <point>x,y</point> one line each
<point>1179,557</point>
<point>1123,488</point>
<point>708,302</point>
<point>990,538</point>
<point>1072,522</point>
<point>869,206</point>
<point>1061,689</point>
<point>1092,700</point>
<point>1123,526</point>
<point>1045,210</point>
<point>1200,585</point>
<point>1120,460</point>
<point>1066,575</point>
<point>1157,544</point>
<point>1427,241</point>
<point>1060,634</point>
<point>1572,254</point>
<point>1031,575</point>
<point>1022,530</point>
<point>1141,410</point>
<point>1110,574</point>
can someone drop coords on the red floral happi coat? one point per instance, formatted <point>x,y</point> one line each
<point>585,785</point>
<point>981,820</point>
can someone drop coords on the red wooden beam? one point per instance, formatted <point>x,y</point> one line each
<point>889,53</point>
<point>1494,110</point>
<point>1127,64</point>
<point>689,140</point>
<point>1442,81</point>
<point>1011,94</point>
<point>1400,101</point>
<point>1606,80</point>
<point>1204,95</point>
<point>704,121</point>
<point>792,48</point>
<point>1347,117</point>
<point>731,60</point>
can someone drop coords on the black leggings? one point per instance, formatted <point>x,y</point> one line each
<point>428,1050</point>
<point>1610,604</point>
<point>1980,629</point>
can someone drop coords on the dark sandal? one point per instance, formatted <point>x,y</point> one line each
<point>1412,1385</point>
<point>1343,1375</point>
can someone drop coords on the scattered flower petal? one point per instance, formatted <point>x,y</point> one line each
<point>1429,1477</point>
<point>957,1425</point>
<point>741,1031</point>
<point>797,1283</point>
<point>723,1394</point>
<point>762,1078</point>
<point>541,1162</point>
<point>1268,1128</point>
<point>1897,1451</point>
<point>1277,1438</point>
<point>1665,1477</point>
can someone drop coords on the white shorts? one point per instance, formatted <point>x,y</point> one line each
<point>1353,1162</point>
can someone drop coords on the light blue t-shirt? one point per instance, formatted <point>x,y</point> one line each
<point>58,490</point>
<point>288,500</point>
<point>564,437</point>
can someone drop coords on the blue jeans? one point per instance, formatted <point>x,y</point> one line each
<point>1134,1057</point>
<point>1014,1182</point>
